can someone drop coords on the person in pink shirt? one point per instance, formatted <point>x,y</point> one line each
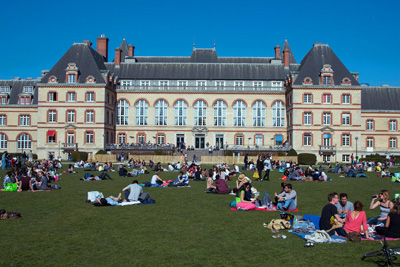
<point>355,219</point>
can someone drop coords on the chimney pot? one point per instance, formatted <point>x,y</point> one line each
<point>117,59</point>
<point>286,58</point>
<point>131,51</point>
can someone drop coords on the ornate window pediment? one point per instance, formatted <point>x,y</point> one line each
<point>307,81</point>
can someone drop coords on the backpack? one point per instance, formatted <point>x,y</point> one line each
<point>144,197</point>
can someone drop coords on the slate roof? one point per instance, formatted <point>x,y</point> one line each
<point>88,61</point>
<point>198,71</point>
<point>17,87</point>
<point>313,62</point>
<point>380,99</point>
<point>292,60</point>
<point>124,50</point>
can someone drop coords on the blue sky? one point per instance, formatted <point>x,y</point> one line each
<point>363,34</point>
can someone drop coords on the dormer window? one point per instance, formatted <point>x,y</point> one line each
<point>53,79</point>
<point>3,100</point>
<point>308,81</point>
<point>5,89</point>
<point>326,75</point>
<point>28,89</point>
<point>72,73</point>
<point>346,81</point>
<point>24,100</point>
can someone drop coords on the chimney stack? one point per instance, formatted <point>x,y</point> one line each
<point>131,51</point>
<point>277,52</point>
<point>102,46</point>
<point>286,58</point>
<point>117,59</point>
<point>89,43</point>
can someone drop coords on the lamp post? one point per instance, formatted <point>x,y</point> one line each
<point>356,148</point>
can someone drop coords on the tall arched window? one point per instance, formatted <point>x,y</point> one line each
<point>239,113</point>
<point>220,113</point>
<point>278,114</point>
<point>180,112</point>
<point>259,113</point>
<point>161,109</point>
<point>200,113</point>
<point>24,141</point>
<point>3,141</point>
<point>142,112</point>
<point>122,112</point>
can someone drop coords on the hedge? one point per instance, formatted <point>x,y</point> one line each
<point>101,152</point>
<point>78,156</point>
<point>307,159</point>
<point>292,152</point>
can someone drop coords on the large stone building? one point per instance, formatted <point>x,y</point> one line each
<point>273,103</point>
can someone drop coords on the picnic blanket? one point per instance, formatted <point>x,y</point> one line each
<point>265,209</point>
<point>333,239</point>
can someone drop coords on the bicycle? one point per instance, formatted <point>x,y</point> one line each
<point>388,253</point>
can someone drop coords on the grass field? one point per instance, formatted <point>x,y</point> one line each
<point>184,227</point>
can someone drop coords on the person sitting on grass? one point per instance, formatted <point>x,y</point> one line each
<point>355,219</point>
<point>385,205</point>
<point>392,226</point>
<point>295,176</point>
<point>330,215</point>
<point>156,181</point>
<point>344,206</point>
<point>9,178</point>
<point>243,202</point>
<point>41,181</point>
<point>221,186</point>
<point>133,191</point>
<point>109,201</point>
<point>181,180</point>
<point>287,199</point>
<point>25,182</point>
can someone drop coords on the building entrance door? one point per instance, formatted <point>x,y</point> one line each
<point>199,141</point>
<point>180,141</point>
<point>219,141</point>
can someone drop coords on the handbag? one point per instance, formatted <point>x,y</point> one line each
<point>255,175</point>
<point>11,187</point>
<point>353,237</point>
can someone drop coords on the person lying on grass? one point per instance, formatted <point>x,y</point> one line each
<point>109,201</point>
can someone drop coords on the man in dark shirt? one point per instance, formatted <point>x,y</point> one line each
<point>328,212</point>
<point>25,183</point>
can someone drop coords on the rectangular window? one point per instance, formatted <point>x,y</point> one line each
<point>220,85</point>
<point>276,85</point>
<point>52,116</point>
<point>327,80</point>
<point>346,99</point>
<point>238,85</point>
<point>51,138</point>
<point>259,140</point>
<point>370,125</point>
<point>326,98</point>
<point>326,158</point>
<point>4,89</point>
<point>160,139</point>
<point>201,85</point>
<point>326,118</point>
<point>24,100</point>
<point>145,85</point>
<point>24,120</point>
<point>182,85</point>
<point>370,142</point>
<point>345,119</point>
<point>307,118</point>
<point>346,158</point>
<point>71,78</point>
<point>90,116</point>
<point>3,119</point>
<point>90,97</point>
<point>52,96</point>
<point>239,140</point>
<point>393,142</point>
<point>164,85</point>
<point>121,138</point>
<point>346,140</point>
<point>307,98</point>
<point>392,125</point>
<point>125,84</point>
<point>28,89</point>
<point>3,100</point>
<point>89,138</point>
<point>257,85</point>
<point>71,97</point>
<point>70,116</point>
<point>307,139</point>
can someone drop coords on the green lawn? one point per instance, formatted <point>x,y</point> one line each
<point>184,227</point>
